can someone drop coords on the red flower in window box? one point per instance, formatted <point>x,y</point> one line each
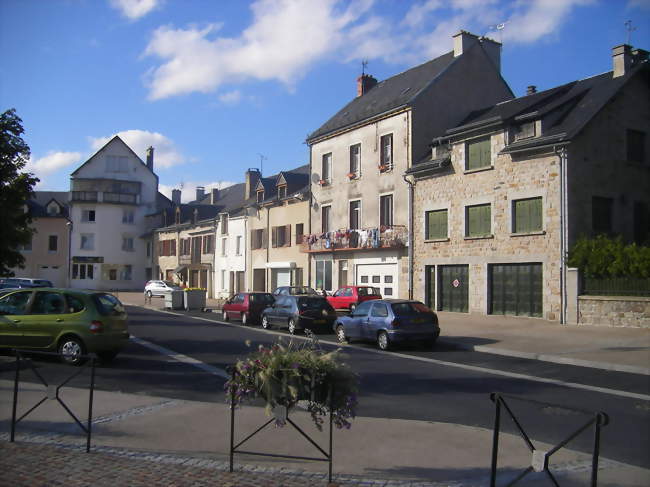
<point>322,182</point>
<point>352,175</point>
<point>383,167</point>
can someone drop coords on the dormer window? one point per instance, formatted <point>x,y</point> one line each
<point>178,215</point>
<point>282,192</point>
<point>524,131</point>
<point>53,209</point>
<point>260,196</point>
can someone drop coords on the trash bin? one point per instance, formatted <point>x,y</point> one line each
<point>194,299</point>
<point>174,300</point>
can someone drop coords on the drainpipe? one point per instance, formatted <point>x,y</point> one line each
<point>69,225</point>
<point>410,233</point>
<point>561,153</point>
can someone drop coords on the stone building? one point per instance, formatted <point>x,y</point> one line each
<point>506,193</point>
<point>359,208</point>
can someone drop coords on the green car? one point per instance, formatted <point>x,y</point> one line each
<point>68,321</point>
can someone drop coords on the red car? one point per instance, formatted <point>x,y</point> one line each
<point>247,307</point>
<point>348,297</point>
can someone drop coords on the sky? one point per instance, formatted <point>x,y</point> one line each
<point>220,86</point>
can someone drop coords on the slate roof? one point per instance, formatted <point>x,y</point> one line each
<point>38,203</point>
<point>391,94</point>
<point>297,182</point>
<point>564,110</point>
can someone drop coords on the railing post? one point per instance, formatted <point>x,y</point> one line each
<point>90,405</point>
<point>13,411</point>
<point>232,420</point>
<point>495,438</point>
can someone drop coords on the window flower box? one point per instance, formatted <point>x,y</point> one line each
<point>323,182</point>
<point>383,167</point>
<point>352,175</point>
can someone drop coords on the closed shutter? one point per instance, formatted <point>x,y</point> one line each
<point>287,235</point>
<point>478,220</point>
<point>274,237</point>
<point>437,224</point>
<point>516,289</point>
<point>528,215</point>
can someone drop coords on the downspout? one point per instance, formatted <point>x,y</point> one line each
<point>268,250</point>
<point>311,202</point>
<point>410,233</point>
<point>246,276</point>
<point>561,153</point>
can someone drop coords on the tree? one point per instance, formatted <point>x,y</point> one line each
<point>15,190</point>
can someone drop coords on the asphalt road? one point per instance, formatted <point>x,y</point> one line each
<point>410,383</point>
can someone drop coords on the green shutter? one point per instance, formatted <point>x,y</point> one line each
<point>479,154</point>
<point>478,220</point>
<point>436,224</point>
<point>528,215</point>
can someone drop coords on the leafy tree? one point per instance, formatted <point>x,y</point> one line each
<point>610,257</point>
<point>15,189</point>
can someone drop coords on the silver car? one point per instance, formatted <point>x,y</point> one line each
<point>160,288</point>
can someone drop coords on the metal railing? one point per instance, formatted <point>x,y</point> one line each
<point>53,392</point>
<point>615,286</point>
<point>540,459</point>
<point>394,236</point>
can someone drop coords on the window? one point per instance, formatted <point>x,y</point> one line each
<point>185,246</point>
<point>87,241</point>
<point>635,146</point>
<point>238,244</point>
<point>386,155</point>
<point>53,243</point>
<point>282,192</point>
<point>379,310</point>
<point>223,279</point>
<point>355,214</point>
<point>75,305</point>
<point>15,304</point>
<point>148,249</point>
<point>117,164</point>
<point>82,271</point>
<point>478,221</point>
<point>224,244</point>
<point>324,274</point>
<point>112,274</point>
<point>527,215</point>
<point>126,273</point>
<point>127,244</point>
<point>601,215</point>
<point>435,225</point>
<point>127,216</point>
<point>524,131</point>
<point>355,160</point>
<point>53,209</point>
<point>281,236</point>
<point>300,230</point>
<point>478,154</point>
<point>325,218</point>
<point>386,210</point>
<point>258,238</point>
<point>224,224</point>
<point>260,196</point>
<point>326,169</point>
<point>46,303</point>
<point>88,216</point>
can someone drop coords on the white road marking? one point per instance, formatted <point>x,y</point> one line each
<point>473,368</point>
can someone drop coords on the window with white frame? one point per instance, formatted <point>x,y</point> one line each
<point>53,244</point>
<point>83,271</point>
<point>386,155</point>
<point>126,273</point>
<point>386,210</point>
<point>127,244</point>
<point>238,244</point>
<point>87,216</point>
<point>223,279</point>
<point>325,218</point>
<point>326,168</point>
<point>324,274</point>
<point>127,216</point>
<point>355,215</point>
<point>355,161</point>
<point>224,246</point>
<point>87,241</point>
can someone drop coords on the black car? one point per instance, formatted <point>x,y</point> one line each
<point>294,291</point>
<point>299,312</point>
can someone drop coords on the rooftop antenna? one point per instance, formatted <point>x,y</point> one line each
<point>364,64</point>
<point>262,157</point>
<point>499,28</point>
<point>630,29</point>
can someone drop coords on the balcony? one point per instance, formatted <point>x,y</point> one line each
<point>184,259</point>
<point>377,238</point>
<point>84,195</point>
<point>124,198</point>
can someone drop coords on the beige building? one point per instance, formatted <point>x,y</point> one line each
<point>505,194</point>
<point>277,224</point>
<point>47,256</point>
<point>359,209</point>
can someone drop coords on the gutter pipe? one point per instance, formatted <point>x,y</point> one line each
<point>410,233</point>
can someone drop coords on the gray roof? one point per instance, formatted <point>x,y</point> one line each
<point>40,199</point>
<point>388,95</point>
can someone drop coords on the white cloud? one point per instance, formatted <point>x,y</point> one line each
<point>52,163</point>
<point>165,153</point>
<point>639,4</point>
<point>188,188</point>
<point>287,37</point>
<point>231,98</point>
<point>134,9</point>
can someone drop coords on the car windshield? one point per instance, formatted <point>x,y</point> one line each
<point>313,303</point>
<point>262,298</point>
<point>170,284</point>
<point>368,291</point>
<point>411,308</point>
<point>302,290</point>
<point>107,304</point>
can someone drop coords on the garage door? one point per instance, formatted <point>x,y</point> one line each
<point>516,289</point>
<point>383,276</point>
<point>453,286</point>
<point>53,273</point>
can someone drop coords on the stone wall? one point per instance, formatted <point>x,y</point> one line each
<point>624,311</point>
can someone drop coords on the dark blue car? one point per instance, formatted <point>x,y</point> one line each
<point>388,322</point>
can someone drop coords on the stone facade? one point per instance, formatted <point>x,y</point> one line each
<point>614,311</point>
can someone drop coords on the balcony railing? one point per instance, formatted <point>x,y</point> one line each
<point>84,196</point>
<point>384,237</point>
<point>184,259</point>
<point>120,198</point>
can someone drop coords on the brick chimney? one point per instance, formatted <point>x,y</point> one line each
<point>365,83</point>
<point>253,176</point>
<point>150,158</point>
<point>625,58</point>
<point>200,192</point>
<point>176,196</point>
<point>531,90</point>
<point>214,196</point>
<point>463,41</point>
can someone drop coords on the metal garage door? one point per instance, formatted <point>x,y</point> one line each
<point>53,273</point>
<point>516,289</point>
<point>453,288</point>
<point>383,276</point>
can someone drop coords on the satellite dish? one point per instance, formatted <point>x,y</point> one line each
<point>315,178</point>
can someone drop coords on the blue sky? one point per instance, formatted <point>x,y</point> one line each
<point>214,85</point>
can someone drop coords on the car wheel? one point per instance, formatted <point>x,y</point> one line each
<point>382,341</point>
<point>340,334</point>
<point>148,294</point>
<point>72,350</point>
<point>292,326</point>
<point>244,319</point>
<point>224,316</point>
<point>107,357</point>
<point>353,306</point>
<point>265,323</point>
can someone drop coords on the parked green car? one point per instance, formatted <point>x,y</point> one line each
<point>68,321</point>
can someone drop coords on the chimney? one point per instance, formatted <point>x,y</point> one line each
<point>214,196</point>
<point>176,196</point>
<point>365,83</point>
<point>493,50</point>
<point>200,193</point>
<point>252,178</point>
<point>463,41</point>
<point>150,158</point>
<point>531,90</point>
<point>624,59</point>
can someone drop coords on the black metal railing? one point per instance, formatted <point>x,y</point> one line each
<point>540,458</point>
<point>234,448</point>
<point>53,392</point>
<point>615,286</point>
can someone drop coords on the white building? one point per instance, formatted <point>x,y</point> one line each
<point>110,195</point>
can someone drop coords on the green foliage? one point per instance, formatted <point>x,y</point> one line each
<point>15,189</point>
<point>610,257</point>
